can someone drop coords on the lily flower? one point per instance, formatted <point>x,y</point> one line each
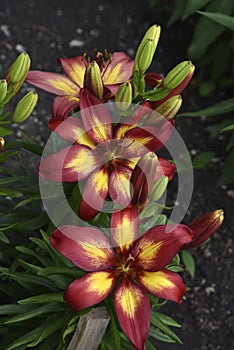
<point>103,154</point>
<point>114,70</point>
<point>133,268</point>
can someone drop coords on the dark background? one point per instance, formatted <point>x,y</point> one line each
<point>51,29</point>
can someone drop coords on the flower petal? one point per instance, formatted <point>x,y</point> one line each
<point>119,184</point>
<point>163,284</point>
<point>133,311</point>
<point>95,193</point>
<point>74,68</point>
<point>96,118</point>
<point>89,290</point>
<point>118,69</point>
<point>158,246</point>
<point>124,227</point>
<point>85,247</point>
<point>71,129</point>
<point>70,164</point>
<point>62,105</point>
<point>55,83</point>
<point>165,168</point>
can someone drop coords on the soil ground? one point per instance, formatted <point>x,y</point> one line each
<point>48,29</point>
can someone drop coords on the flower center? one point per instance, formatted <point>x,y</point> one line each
<point>100,57</point>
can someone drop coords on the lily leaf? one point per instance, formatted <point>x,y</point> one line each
<point>225,20</point>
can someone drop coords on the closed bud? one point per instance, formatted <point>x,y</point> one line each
<point>147,48</point>
<point>20,68</point>
<point>2,143</point>
<point>204,226</point>
<point>3,89</point>
<point>158,188</point>
<point>149,210</point>
<point>179,76</point>
<point>166,110</point>
<point>93,79</point>
<point>142,178</point>
<point>25,107</point>
<point>123,96</point>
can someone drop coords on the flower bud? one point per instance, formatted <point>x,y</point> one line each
<point>153,79</point>
<point>142,178</point>
<point>20,68</point>
<point>93,79</point>
<point>166,110</point>
<point>147,48</point>
<point>179,76</point>
<point>2,143</point>
<point>204,226</point>
<point>123,96</point>
<point>158,188</point>
<point>3,89</point>
<point>25,107</point>
<point>149,210</point>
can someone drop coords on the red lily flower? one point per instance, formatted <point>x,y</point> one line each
<point>135,265</point>
<point>204,226</point>
<point>103,154</point>
<point>114,71</point>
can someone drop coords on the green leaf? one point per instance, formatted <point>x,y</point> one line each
<point>216,129</point>
<point>202,161</point>
<point>4,238</point>
<point>13,309</point>
<point>8,192</point>
<point>43,298</point>
<point>227,175</point>
<point>167,320</point>
<point>35,312</point>
<point>57,270</point>
<point>223,107</point>
<point>206,31</point>
<point>225,20</point>
<point>177,11</point>
<point>192,6</point>
<point>189,262</point>
<point>228,128</point>
<point>30,146</point>
<point>5,131</point>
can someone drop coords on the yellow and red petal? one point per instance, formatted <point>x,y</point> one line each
<point>96,118</point>
<point>71,164</point>
<point>119,184</point>
<point>158,246</point>
<point>62,105</point>
<point>165,168</point>
<point>54,83</point>
<point>95,193</point>
<point>118,69</point>
<point>163,284</point>
<point>124,228</point>
<point>74,68</point>
<point>86,247</point>
<point>89,290</point>
<point>71,129</point>
<point>133,311</point>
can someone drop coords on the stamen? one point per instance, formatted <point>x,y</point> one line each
<point>83,56</point>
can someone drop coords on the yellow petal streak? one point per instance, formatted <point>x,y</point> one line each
<point>155,281</point>
<point>129,300</point>
<point>148,251</point>
<point>93,250</point>
<point>99,282</point>
<point>125,232</point>
<point>100,180</point>
<point>83,161</point>
<point>64,87</point>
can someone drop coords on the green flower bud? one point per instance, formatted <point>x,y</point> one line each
<point>93,79</point>
<point>124,96</point>
<point>3,89</point>
<point>167,110</point>
<point>25,107</point>
<point>2,143</point>
<point>147,48</point>
<point>158,188</point>
<point>180,74</point>
<point>20,68</point>
<point>150,210</point>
